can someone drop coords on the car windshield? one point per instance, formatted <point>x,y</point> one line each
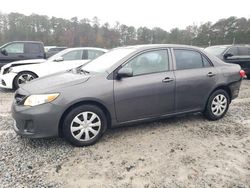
<point>215,50</point>
<point>104,62</point>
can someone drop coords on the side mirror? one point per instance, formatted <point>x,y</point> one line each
<point>4,52</point>
<point>58,59</point>
<point>227,55</point>
<point>124,72</point>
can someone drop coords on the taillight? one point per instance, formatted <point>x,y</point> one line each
<point>242,74</point>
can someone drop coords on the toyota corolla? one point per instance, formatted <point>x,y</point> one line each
<point>124,86</point>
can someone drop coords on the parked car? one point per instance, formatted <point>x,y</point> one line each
<point>14,74</point>
<point>46,48</point>
<point>21,50</point>
<point>53,51</point>
<point>124,86</point>
<point>236,54</point>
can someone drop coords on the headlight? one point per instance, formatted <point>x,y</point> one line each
<point>7,70</point>
<point>34,100</point>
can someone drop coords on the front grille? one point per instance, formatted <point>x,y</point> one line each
<point>20,98</point>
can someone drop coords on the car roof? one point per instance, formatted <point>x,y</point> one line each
<point>150,46</point>
<point>86,48</point>
<point>28,42</point>
<point>230,45</point>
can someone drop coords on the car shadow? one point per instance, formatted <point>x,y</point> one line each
<point>115,132</point>
<point>3,90</point>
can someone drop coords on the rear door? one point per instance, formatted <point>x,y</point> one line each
<point>150,92</point>
<point>195,79</point>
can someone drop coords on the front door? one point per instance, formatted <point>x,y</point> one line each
<point>14,52</point>
<point>149,92</point>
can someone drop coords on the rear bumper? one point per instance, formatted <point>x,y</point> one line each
<point>235,89</point>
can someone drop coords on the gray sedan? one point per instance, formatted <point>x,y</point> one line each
<point>124,86</point>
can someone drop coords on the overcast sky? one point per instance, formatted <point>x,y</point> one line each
<point>149,13</point>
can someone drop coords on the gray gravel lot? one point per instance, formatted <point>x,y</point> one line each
<point>186,151</point>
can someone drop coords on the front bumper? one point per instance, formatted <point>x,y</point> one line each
<point>6,80</point>
<point>38,121</point>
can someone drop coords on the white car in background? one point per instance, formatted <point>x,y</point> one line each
<point>14,74</point>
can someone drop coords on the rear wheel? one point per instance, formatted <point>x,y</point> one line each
<point>84,125</point>
<point>217,105</point>
<point>22,78</point>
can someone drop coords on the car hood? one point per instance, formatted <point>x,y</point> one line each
<point>24,62</point>
<point>53,82</point>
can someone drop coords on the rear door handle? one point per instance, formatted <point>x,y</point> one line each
<point>166,80</point>
<point>21,56</point>
<point>210,74</point>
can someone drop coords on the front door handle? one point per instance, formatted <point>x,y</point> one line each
<point>165,80</point>
<point>210,74</point>
<point>21,56</point>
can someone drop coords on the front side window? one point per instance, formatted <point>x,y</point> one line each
<point>73,55</point>
<point>17,48</point>
<point>149,62</point>
<point>188,59</point>
<point>92,54</point>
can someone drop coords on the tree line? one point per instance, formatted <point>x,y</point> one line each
<point>85,32</point>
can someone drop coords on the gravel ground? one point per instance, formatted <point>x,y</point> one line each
<point>186,151</point>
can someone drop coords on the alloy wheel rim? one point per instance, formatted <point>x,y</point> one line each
<point>24,78</point>
<point>85,126</point>
<point>219,105</point>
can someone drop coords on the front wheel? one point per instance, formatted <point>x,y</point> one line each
<point>22,78</point>
<point>217,105</point>
<point>84,125</point>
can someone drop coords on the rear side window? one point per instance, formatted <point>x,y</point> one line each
<point>92,54</point>
<point>243,51</point>
<point>33,48</point>
<point>15,48</point>
<point>188,59</point>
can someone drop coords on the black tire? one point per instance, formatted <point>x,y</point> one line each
<point>16,79</point>
<point>69,123</point>
<point>209,114</point>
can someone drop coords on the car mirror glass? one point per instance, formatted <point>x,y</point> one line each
<point>58,59</point>
<point>227,55</point>
<point>4,52</point>
<point>124,72</point>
